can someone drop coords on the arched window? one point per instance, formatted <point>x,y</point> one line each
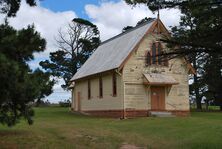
<point>155,56</point>
<point>154,53</point>
<point>148,60</point>
<point>165,62</point>
<point>160,52</point>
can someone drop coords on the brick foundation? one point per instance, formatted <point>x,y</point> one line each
<point>181,113</point>
<point>105,113</point>
<point>129,113</point>
<point>136,113</point>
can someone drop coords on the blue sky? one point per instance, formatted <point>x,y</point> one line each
<point>110,16</point>
<point>74,5</point>
<point>64,5</point>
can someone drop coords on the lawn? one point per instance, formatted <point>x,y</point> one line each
<point>56,127</point>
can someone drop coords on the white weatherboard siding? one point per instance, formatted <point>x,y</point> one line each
<point>136,78</point>
<point>107,102</point>
<point>138,96</point>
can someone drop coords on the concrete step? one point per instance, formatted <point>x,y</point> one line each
<point>161,114</point>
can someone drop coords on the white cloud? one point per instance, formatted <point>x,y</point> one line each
<point>111,17</point>
<point>59,94</point>
<point>47,23</point>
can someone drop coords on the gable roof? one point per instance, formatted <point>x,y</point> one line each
<point>112,52</point>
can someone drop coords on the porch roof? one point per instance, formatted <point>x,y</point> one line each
<point>159,79</point>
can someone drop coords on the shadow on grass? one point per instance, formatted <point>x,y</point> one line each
<point>8,135</point>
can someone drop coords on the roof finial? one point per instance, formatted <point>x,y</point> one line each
<point>158,11</point>
<point>158,14</point>
<point>158,18</point>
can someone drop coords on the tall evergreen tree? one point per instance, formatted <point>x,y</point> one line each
<point>19,84</point>
<point>75,44</point>
<point>212,77</point>
<point>44,83</point>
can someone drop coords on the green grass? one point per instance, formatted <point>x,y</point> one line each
<point>56,127</point>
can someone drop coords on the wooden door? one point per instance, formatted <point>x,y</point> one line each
<point>78,101</point>
<point>157,98</point>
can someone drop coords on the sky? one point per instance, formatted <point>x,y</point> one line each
<point>110,16</point>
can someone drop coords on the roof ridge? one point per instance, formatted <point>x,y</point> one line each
<point>104,58</point>
<point>129,30</point>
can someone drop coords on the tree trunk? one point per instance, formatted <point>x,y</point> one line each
<point>38,102</point>
<point>207,105</point>
<point>198,98</point>
<point>199,105</point>
<point>196,89</point>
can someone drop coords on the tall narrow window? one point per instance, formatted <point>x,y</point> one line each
<point>154,53</point>
<point>160,57</point>
<point>100,87</point>
<point>148,58</point>
<point>114,85</point>
<point>165,63</point>
<point>89,89</point>
<point>157,56</point>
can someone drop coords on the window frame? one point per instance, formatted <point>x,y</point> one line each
<point>159,51</point>
<point>148,58</point>
<point>114,84</point>
<point>89,89</point>
<point>152,57</point>
<point>100,87</point>
<point>153,53</point>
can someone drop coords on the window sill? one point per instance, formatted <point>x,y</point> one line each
<point>155,65</point>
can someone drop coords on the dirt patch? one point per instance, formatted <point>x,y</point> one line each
<point>6,145</point>
<point>88,137</point>
<point>6,138</point>
<point>130,146</point>
<point>7,133</point>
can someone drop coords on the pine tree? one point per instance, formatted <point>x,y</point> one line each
<point>19,85</point>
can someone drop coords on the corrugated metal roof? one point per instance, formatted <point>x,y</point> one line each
<point>158,78</point>
<point>112,52</point>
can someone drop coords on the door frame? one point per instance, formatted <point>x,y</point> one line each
<point>161,98</point>
<point>79,101</point>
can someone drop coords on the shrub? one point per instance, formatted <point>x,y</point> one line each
<point>42,103</point>
<point>65,103</point>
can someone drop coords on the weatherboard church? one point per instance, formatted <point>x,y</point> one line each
<point>124,77</point>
